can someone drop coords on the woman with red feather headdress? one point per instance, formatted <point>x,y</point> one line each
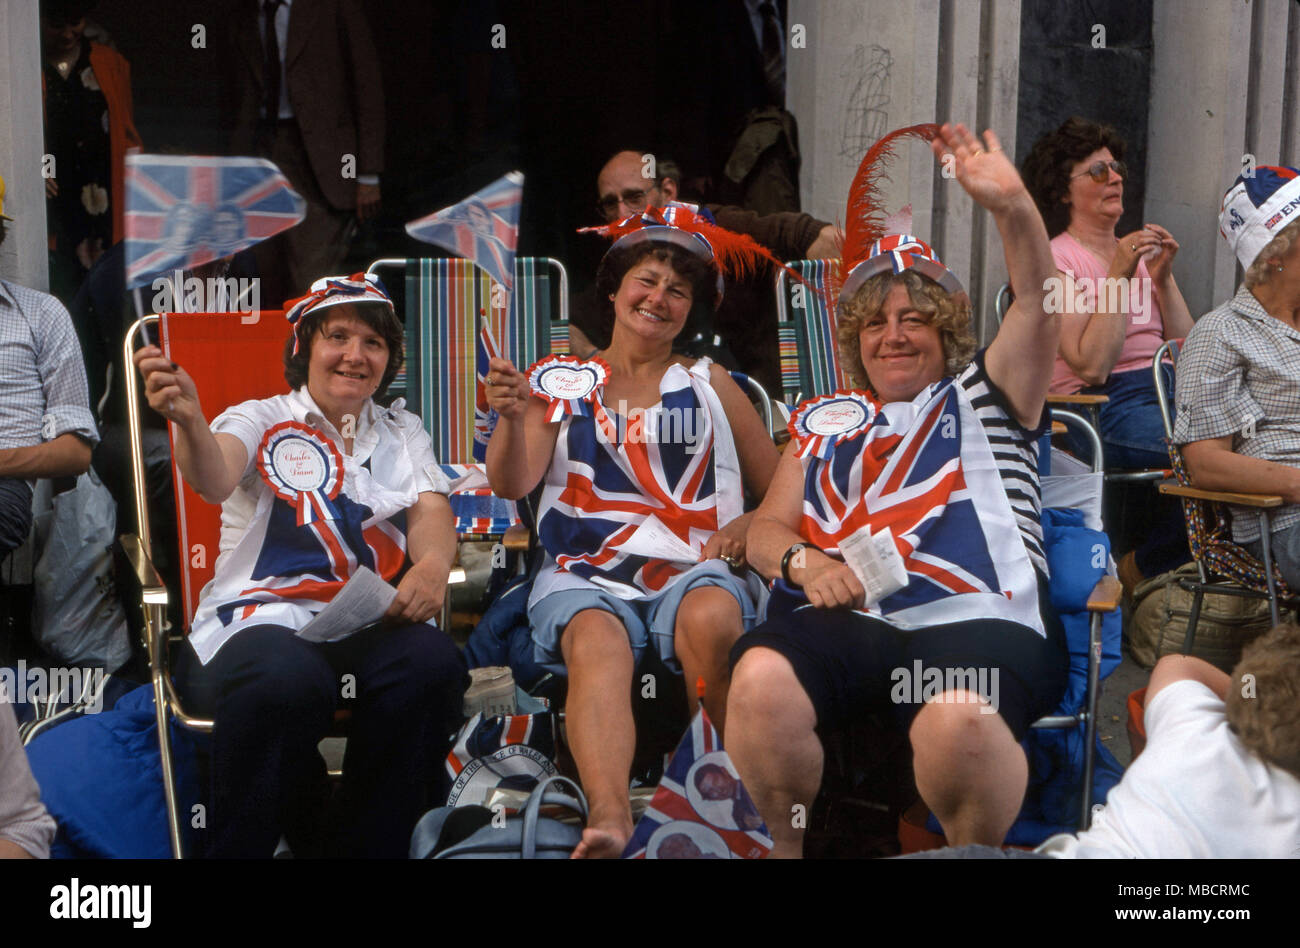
<point>644,457</point>
<point>902,526</point>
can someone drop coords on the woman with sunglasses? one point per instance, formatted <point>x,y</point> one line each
<point>1119,301</point>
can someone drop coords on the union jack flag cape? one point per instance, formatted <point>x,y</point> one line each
<point>701,809</point>
<point>183,211</point>
<point>484,227</point>
<point>629,500</point>
<point>925,470</point>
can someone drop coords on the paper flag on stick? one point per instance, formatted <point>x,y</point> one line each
<point>183,211</point>
<point>483,228</point>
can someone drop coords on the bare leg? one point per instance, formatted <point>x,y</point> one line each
<point>599,725</point>
<point>772,740</point>
<point>969,769</point>
<point>708,624</point>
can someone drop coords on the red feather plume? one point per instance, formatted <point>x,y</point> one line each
<point>863,216</point>
<point>737,256</point>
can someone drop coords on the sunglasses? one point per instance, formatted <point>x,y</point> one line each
<point>635,200</point>
<point>1100,171</point>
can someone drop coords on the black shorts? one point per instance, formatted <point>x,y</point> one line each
<point>852,665</point>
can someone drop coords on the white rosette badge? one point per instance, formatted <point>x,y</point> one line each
<point>303,467</point>
<point>818,425</point>
<point>568,384</point>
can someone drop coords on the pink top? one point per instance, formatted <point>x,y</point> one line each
<point>1146,328</point>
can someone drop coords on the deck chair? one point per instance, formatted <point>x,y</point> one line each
<point>1221,565</point>
<point>231,361</point>
<point>1080,488</point>
<point>810,355</point>
<point>444,299</point>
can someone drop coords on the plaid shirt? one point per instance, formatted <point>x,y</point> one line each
<point>1239,375</point>
<point>42,373</point>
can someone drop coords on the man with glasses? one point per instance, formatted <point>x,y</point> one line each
<point>745,323</point>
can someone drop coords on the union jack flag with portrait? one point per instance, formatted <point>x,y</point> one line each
<point>630,499</point>
<point>183,211</point>
<point>925,470</point>
<point>483,228</point>
<point>700,810</point>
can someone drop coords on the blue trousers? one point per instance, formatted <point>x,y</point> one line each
<point>15,514</point>
<point>273,696</point>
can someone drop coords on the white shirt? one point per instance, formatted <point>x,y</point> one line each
<point>1195,792</point>
<point>272,570</point>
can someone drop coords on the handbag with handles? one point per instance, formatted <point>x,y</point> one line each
<point>467,832</point>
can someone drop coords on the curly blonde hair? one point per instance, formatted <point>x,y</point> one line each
<point>1259,272</point>
<point>949,313</point>
<point>1264,709</point>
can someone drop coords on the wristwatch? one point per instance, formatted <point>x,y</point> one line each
<point>789,556</point>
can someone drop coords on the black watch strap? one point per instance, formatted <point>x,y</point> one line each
<point>789,557</point>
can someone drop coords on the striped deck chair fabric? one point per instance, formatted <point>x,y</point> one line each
<point>444,300</point>
<point>810,358</point>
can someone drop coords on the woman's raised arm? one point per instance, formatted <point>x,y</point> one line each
<point>211,464</point>
<point>1021,357</point>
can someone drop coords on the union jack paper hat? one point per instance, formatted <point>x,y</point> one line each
<point>332,291</point>
<point>868,247</point>
<point>693,229</point>
<point>1257,207</point>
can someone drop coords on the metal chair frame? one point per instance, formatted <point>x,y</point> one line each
<point>155,599</point>
<point>1275,591</point>
<point>1105,597</point>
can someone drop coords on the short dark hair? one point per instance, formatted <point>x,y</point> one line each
<point>377,316</point>
<point>700,273</point>
<point>1046,169</point>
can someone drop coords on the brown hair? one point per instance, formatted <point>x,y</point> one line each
<point>949,313</point>
<point>1263,699</point>
<point>1046,169</point>
<point>700,273</point>
<point>377,316</point>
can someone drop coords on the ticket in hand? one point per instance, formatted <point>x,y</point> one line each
<point>874,559</point>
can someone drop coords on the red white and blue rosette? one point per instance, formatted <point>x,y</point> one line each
<point>568,384</point>
<point>820,423</point>
<point>303,467</point>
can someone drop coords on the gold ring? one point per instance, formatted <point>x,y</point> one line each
<point>728,559</point>
<point>1132,246</point>
<point>489,381</point>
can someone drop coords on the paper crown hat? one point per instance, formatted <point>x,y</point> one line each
<point>1257,207</point>
<point>334,291</point>
<point>693,229</point>
<point>869,247</point>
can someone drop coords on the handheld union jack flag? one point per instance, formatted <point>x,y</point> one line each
<point>182,211</point>
<point>485,419</point>
<point>700,810</point>
<point>484,227</point>
<point>925,470</point>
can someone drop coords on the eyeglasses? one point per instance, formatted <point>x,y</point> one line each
<point>1100,171</point>
<point>635,200</point>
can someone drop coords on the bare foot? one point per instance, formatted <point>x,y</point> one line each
<point>604,841</point>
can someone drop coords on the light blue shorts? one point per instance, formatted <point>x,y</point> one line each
<point>649,620</point>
